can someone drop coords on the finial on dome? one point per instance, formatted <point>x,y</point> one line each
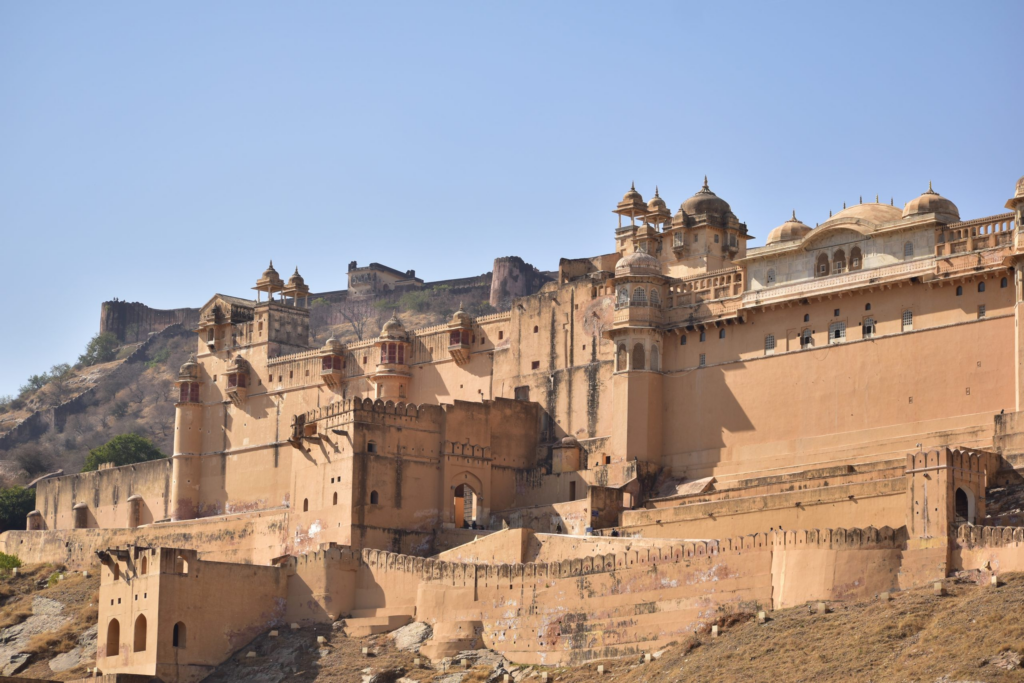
<point>830,213</point>
<point>706,182</point>
<point>632,186</point>
<point>862,199</point>
<point>655,190</point>
<point>844,205</point>
<point>930,186</point>
<point>794,214</point>
<point>892,201</point>
<point>272,260</point>
<point>876,198</point>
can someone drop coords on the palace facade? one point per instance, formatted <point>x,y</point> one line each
<point>825,411</point>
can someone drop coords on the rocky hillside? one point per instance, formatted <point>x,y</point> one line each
<point>974,633</point>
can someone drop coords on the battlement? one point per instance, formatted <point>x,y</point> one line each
<point>989,536</point>
<point>964,459</point>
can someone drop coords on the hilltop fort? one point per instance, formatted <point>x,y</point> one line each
<point>681,427</point>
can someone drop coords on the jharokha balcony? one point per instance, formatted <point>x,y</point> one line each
<point>460,345</point>
<point>637,316</point>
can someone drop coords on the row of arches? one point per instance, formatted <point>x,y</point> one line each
<point>637,359</point>
<point>113,647</point>
<point>839,264</point>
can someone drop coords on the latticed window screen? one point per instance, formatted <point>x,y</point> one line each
<point>837,332</point>
<point>908,320</point>
<point>769,344</point>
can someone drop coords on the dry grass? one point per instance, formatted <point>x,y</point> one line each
<point>916,637</point>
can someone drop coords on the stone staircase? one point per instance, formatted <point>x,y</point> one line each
<point>368,622</point>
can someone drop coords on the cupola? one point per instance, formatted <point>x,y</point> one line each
<point>269,282</point>
<point>461,336</point>
<point>632,206</point>
<point>932,202</point>
<point>657,212</point>
<point>789,231</point>
<point>237,380</point>
<point>296,289</point>
<point>332,362</point>
<point>188,381</point>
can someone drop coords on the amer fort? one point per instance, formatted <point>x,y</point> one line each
<point>673,430</point>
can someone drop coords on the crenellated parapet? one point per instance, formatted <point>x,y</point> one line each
<point>989,536</point>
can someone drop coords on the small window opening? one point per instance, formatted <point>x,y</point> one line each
<point>113,638</point>
<point>702,360</point>
<point>959,291</point>
<point>335,498</point>
<point>981,287</point>
<point>721,333</point>
<point>1003,283</point>
<point>807,317</point>
<point>703,335</point>
<point>769,344</point>
<point>305,504</point>
<point>371,447</point>
<point>536,329</point>
<point>140,634</point>
<point>178,635</point>
<point>908,321</point>
<point>572,490</point>
<point>374,498</point>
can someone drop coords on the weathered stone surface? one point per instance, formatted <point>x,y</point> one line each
<point>411,636</point>
<point>85,651</point>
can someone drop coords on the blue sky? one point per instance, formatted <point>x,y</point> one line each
<point>161,152</point>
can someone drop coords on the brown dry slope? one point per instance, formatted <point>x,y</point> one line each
<point>975,633</point>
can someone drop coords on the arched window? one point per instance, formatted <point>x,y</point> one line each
<point>536,329</point>
<point>769,344</point>
<point>655,360</point>
<point>807,317</point>
<point>959,290</point>
<point>868,328</point>
<point>716,239</point>
<point>677,239</point>
<point>908,250</point>
<point>639,297</point>
<point>305,504</point>
<point>655,298</point>
<point>821,266</point>
<point>140,634</point>
<point>371,447</point>
<point>908,321</point>
<point>981,287</point>
<point>703,335</point>
<point>1003,283</point>
<point>771,276</point>
<point>639,357</point>
<point>180,565</point>
<point>855,258</point>
<point>682,340</point>
<point>113,638</point>
<point>144,566</point>
<point>806,340</point>
<point>335,497</point>
<point>839,261</point>
<point>867,307</point>
<point>721,333</point>
<point>115,569</point>
<point>178,635</point>
<point>621,358</point>
<point>374,498</point>
<point>837,333</point>
<point>623,296</point>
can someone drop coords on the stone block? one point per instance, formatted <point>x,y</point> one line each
<point>417,662</point>
<point>714,631</point>
<point>993,581</point>
<point>465,663</point>
<point>545,676</point>
<point>939,589</point>
<point>365,652</point>
<point>762,617</point>
<point>600,668</point>
<point>273,634</point>
<point>250,654</point>
<point>647,658</point>
<point>821,608</point>
<point>294,627</point>
<point>885,596</point>
<point>321,640</point>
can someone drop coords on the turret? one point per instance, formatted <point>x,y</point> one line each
<point>332,362</point>
<point>460,336</point>
<point>392,374</point>
<point>188,439</point>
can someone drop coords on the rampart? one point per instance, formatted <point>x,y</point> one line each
<point>134,321</point>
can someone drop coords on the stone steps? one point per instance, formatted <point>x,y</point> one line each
<point>360,627</point>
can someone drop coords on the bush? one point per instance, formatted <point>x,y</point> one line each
<point>9,562</point>
<point>34,383</point>
<point>102,348</point>
<point>159,357</point>
<point>415,301</point>
<point>5,403</point>
<point>126,449</point>
<point>15,504</point>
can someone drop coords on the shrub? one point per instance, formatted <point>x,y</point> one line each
<point>415,301</point>
<point>5,403</point>
<point>126,449</point>
<point>34,383</point>
<point>102,348</point>
<point>159,358</point>
<point>9,562</point>
<point>15,504</point>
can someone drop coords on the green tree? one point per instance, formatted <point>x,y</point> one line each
<point>34,383</point>
<point>102,348</point>
<point>15,504</point>
<point>126,449</point>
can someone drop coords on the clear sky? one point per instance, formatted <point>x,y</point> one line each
<point>162,152</point>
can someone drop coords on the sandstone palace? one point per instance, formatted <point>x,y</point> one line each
<point>678,428</point>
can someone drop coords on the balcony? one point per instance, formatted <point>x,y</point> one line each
<point>637,316</point>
